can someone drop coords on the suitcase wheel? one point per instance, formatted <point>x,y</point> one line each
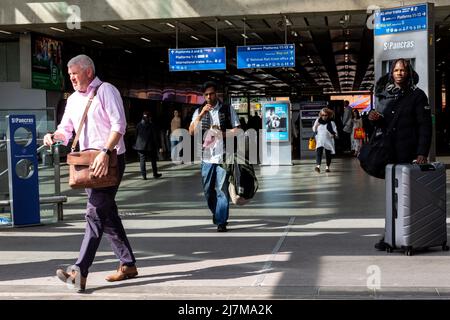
<point>409,252</point>
<point>445,248</point>
<point>389,250</point>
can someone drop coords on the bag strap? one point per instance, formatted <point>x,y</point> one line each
<point>83,118</point>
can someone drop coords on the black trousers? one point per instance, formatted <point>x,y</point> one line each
<point>319,153</point>
<point>153,157</point>
<point>102,216</point>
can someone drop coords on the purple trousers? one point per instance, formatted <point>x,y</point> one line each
<point>102,215</point>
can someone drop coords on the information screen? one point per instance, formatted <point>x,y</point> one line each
<point>191,59</point>
<point>405,19</point>
<point>266,56</point>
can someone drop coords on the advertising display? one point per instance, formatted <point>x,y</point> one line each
<point>191,59</point>
<point>266,56</point>
<point>46,64</point>
<point>362,102</point>
<point>408,32</point>
<point>276,121</point>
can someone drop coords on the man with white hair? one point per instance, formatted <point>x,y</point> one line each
<point>103,130</point>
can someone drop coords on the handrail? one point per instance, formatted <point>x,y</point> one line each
<point>41,147</point>
<point>54,151</point>
<point>42,200</point>
<point>37,151</point>
<point>45,200</point>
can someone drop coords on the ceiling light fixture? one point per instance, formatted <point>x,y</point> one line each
<point>97,41</point>
<point>170,25</point>
<point>112,27</point>
<point>5,32</point>
<point>128,51</point>
<point>244,36</point>
<point>57,29</point>
<point>195,38</point>
<point>145,39</point>
<point>228,22</point>
<point>288,22</point>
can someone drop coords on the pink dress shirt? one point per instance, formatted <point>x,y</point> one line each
<point>106,114</point>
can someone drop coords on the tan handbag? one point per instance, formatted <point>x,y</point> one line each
<point>80,163</point>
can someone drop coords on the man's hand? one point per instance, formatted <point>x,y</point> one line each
<point>206,108</point>
<point>374,115</point>
<point>100,165</point>
<point>421,159</point>
<point>51,138</point>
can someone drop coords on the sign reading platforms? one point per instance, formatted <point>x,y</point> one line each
<point>266,56</point>
<point>405,19</point>
<point>191,59</point>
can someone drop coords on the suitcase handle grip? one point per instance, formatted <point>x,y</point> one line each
<point>425,166</point>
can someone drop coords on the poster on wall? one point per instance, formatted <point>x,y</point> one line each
<point>46,62</point>
<point>276,121</point>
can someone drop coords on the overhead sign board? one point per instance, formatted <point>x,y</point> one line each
<point>266,56</point>
<point>192,59</point>
<point>404,19</point>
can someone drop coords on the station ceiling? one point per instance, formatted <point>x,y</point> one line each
<point>334,51</point>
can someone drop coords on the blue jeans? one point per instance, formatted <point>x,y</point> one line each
<point>173,154</point>
<point>215,187</point>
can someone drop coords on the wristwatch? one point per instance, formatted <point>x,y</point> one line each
<point>107,151</point>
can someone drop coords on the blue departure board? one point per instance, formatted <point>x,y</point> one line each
<point>266,56</point>
<point>191,59</point>
<point>404,19</point>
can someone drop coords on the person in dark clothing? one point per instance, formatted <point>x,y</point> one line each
<point>367,125</point>
<point>147,143</point>
<point>396,92</point>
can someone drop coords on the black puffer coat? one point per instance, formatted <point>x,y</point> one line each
<point>413,131</point>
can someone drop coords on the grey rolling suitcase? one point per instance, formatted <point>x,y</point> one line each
<point>415,207</point>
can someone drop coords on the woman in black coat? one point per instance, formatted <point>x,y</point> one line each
<point>396,92</point>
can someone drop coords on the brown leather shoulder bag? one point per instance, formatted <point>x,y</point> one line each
<point>80,163</point>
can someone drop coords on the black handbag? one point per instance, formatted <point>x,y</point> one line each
<point>377,153</point>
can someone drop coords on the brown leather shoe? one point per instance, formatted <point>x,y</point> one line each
<point>72,279</point>
<point>123,272</point>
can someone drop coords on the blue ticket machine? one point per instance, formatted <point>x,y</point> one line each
<point>23,170</point>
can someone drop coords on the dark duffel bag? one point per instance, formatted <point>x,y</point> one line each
<point>375,155</point>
